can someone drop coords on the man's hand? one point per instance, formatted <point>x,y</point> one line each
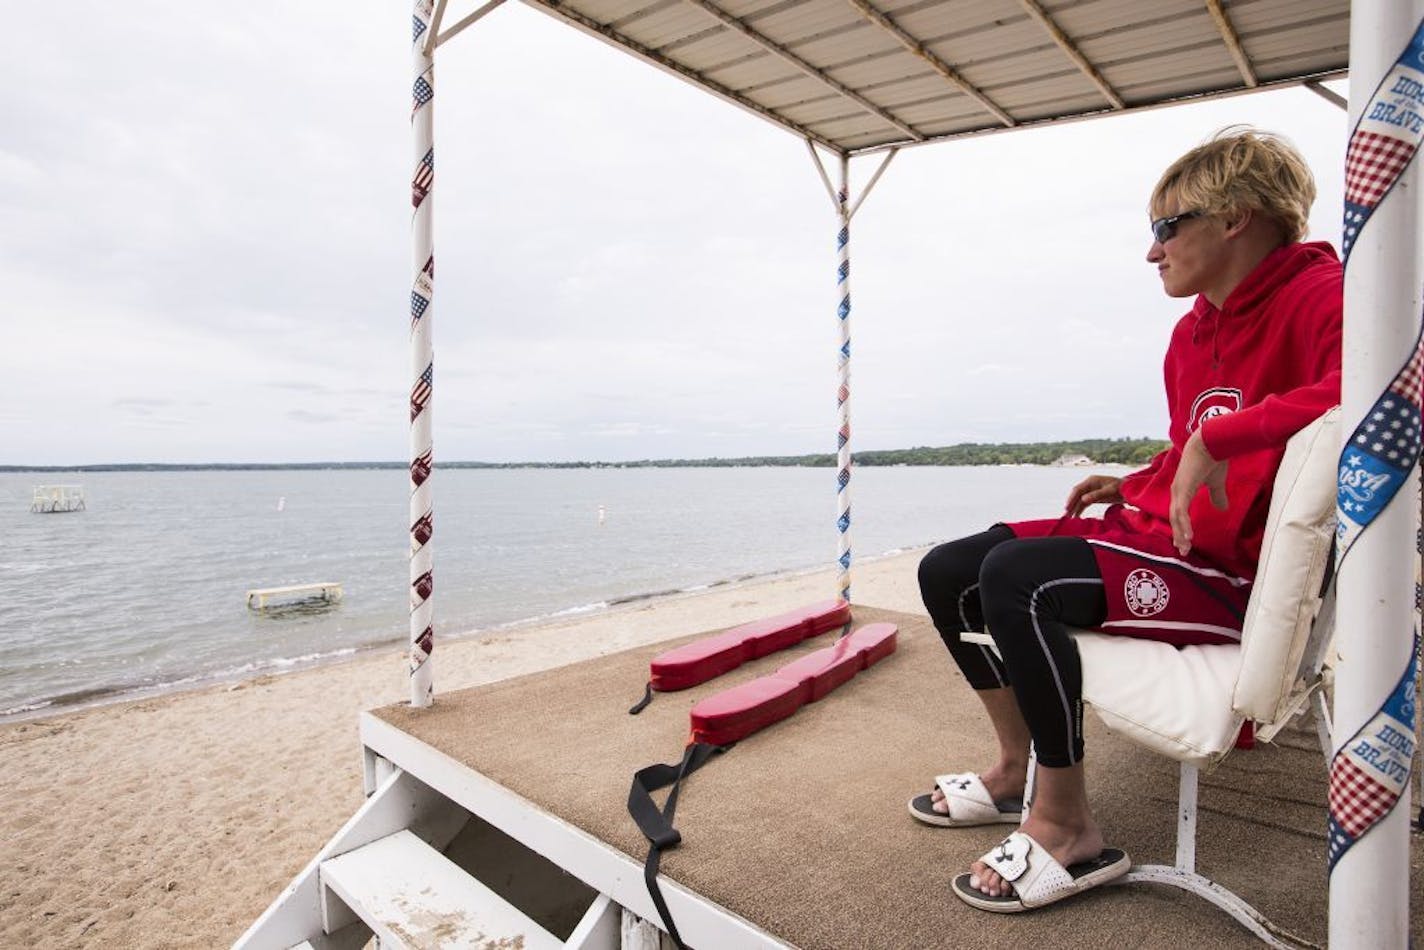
<point>1091,491</point>
<point>1197,468</point>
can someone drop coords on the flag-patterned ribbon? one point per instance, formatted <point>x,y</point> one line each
<point>1385,138</point>
<point>1370,772</point>
<point>843,457</point>
<point>422,293</point>
<point>1385,445</point>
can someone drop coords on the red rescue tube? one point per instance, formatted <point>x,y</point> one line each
<point>736,713</point>
<point>707,659</point>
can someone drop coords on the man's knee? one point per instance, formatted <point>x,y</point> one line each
<point>940,568</point>
<point>1000,576</point>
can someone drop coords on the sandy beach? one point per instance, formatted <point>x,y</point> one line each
<point>174,821</point>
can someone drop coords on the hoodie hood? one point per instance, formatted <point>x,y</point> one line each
<point>1275,270</point>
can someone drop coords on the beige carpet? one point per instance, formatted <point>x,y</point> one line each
<point>802,828</point>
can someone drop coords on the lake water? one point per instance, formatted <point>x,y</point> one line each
<point>145,590</point>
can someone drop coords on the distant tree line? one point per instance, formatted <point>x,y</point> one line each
<point>1100,451</point>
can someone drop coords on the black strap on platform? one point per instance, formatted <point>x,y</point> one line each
<point>642,704</point>
<point>656,824</point>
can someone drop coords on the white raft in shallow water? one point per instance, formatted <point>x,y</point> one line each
<point>264,597</point>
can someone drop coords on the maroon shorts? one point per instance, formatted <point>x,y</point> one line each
<point>1152,591</point>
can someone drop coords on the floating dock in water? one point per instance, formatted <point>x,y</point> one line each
<point>53,499</point>
<point>263,597</point>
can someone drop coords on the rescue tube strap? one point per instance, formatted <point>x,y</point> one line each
<point>642,704</point>
<point>656,824</point>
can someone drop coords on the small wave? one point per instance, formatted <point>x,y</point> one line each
<point>23,568</point>
<point>579,609</point>
<point>120,692</point>
<point>26,708</point>
<point>639,598</point>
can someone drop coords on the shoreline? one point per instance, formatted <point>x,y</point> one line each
<point>99,697</point>
<point>175,820</point>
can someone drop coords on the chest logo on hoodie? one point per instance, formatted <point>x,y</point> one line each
<point>1212,403</point>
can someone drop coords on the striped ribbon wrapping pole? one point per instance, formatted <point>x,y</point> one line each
<point>1377,497</point>
<point>843,389</point>
<point>422,628</point>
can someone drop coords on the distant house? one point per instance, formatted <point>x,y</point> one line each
<point>1073,459</point>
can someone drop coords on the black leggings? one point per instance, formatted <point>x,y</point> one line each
<point>1028,591</point>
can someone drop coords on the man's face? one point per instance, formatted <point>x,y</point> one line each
<point>1192,256</point>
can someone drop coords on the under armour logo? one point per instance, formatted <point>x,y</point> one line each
<point>962,784</point>
<point>1003,856</point>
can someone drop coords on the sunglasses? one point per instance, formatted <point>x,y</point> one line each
<point>1164,229</point>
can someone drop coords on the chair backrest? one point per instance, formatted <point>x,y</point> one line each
<point>1280,660</point>
<point>1189,703</point>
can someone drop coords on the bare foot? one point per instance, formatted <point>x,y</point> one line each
<point>1003,780</point>
<point>1068,845</point>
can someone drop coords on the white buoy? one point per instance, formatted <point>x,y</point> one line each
<point>282,503</point>
<point>601,514</point>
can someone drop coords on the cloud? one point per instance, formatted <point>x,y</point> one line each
<point>205,246</point>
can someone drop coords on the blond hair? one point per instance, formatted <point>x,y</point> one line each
<point>1241,169</point>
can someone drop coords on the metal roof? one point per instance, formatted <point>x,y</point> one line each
<point>862,75</point>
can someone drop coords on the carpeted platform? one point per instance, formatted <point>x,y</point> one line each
<point>802,828</point>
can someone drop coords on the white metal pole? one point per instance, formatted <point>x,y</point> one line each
<point>422,354</point>
<point>843,463</point>
<point>1378,496</point>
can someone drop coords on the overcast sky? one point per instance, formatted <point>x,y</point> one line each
<point>204,252</point>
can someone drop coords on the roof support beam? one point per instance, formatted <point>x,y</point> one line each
<point>1334,98</point>
<point>587,23</point>
<point>1233,42</point>
<point>938,65</point>
<point>433,40</point>
<point>1079,60</point>
<point>784,54</point>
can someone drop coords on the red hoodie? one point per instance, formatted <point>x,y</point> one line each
<point>1251,375</point>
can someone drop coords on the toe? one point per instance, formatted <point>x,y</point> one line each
<point>986,881</point>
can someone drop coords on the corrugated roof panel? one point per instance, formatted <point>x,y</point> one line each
<point>750,10</point>
<point>800,20</point>
<point>792,106</point>
<point>812,38</point>
<point>1008,71</point>
<point>1187,68</point>
<point>754,67</point>
<point>884,68</point>
<point>663,28</point>
<point>813,112</point>
<point>904,92</point>
<point>1253,16</point>
<point>856,125</point>
<point>1307,41</point>
<point>961,49</point>
<point>949,111</point>
<point>783,88</point>
<point>1178,63</point>
<point>1178,33</point>
<point>1094,18</point>
<point>1293,67</point>
<point>1147,51</point>
<point>720,53</point>
<point>1185,86</point>
<point>1048,97</point>
<point>649,8</point>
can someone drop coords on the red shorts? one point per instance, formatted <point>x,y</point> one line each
<point>1152,591</point>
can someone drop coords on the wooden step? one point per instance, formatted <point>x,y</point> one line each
<point>412,896</point>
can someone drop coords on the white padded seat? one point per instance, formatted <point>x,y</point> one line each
<point>1189,703</point>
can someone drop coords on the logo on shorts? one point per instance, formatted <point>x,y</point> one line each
<point>1212,403</point>
<point>1146,592</point>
